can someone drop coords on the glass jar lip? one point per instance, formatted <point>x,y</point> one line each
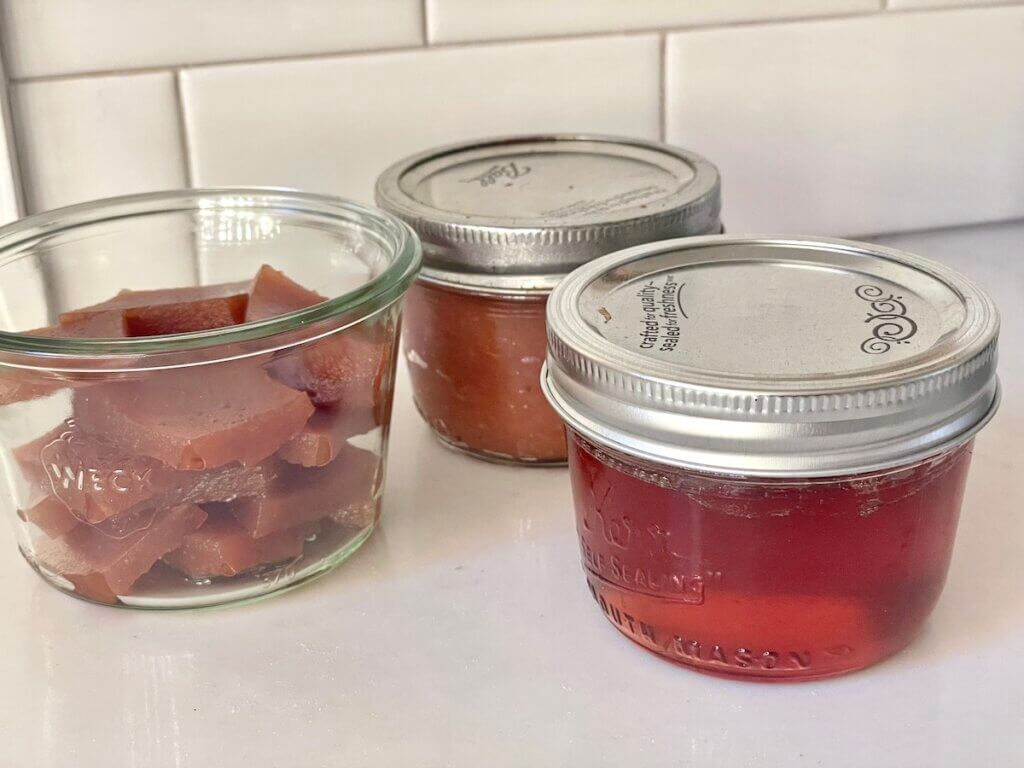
<point>371,296</point>
<point>492,284</point>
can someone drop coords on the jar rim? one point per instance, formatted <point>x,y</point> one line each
<point>492,285</point>
<point>624,443</point>
<point>372,295</point>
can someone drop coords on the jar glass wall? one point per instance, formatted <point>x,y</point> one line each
<point>502,221</point>
<point>475,361</point>
<point>769,442</point>
<point>766,578</point>
<point>209,425</point>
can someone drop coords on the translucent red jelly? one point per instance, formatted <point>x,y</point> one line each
<point>102,567</point>
<point>762,578</point>
<point>243,470</point>
<point>475,363</point>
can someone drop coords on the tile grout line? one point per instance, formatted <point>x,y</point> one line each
<point>186,157</point>
<point>17,166</point>
<point>885,9</point>
<point>869,236</point>
<point>663,87</point>
<point>433,45</point>
<point>7,126</point>
<point>98,73</point>
<point>341,55</point>
<point>179,105</point>
<point>425,22</point>
<point>888,8</point>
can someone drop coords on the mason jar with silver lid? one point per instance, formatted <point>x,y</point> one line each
<point>502,222</point>
<point>769,442</point>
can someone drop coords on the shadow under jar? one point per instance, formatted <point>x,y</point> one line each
<point>769,443</point>
<point>195,390</point>
<point>502,221</point>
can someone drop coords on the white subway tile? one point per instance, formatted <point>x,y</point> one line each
<point>886,123</point>
<point>96,137</point>
<point>461,20</point>
<point>23,301</point>
<point>332,125</point>
<point>45,37</point>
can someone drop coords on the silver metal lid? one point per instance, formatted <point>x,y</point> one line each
<point>771,357</point>
<point>516,214</point>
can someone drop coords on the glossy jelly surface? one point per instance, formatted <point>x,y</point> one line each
<point>201,484</point>
<point>766,579</point>
<point>475,362</point>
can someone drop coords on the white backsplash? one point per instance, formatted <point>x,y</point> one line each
<point>97,136</point>
<point>57,37</point>
<point>332,125</point>
<point>474,20</point>
<point>836,117</point>
<point>883,123</point>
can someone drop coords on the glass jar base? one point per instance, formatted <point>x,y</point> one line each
<point>495,458</point>
<point>647,620</point>
<point>165,589</point>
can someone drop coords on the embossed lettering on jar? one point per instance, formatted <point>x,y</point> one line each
<point>502,222</point>
<point>769,442</point>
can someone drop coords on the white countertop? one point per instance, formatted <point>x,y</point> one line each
<point>463,634</point>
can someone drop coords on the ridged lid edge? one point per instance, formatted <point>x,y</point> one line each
<point>732,427</point>
<point>463,246</point>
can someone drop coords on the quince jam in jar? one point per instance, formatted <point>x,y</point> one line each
<point>480,390</point>
<point>502,221</point>
<point>769,445</point>
<point>209,424</point>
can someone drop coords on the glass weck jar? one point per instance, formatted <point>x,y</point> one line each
<point>195,390</point>
<point>502,221</point>
<point>769,442</point>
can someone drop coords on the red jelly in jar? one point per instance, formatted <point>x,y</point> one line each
<point>502,221</point>
<point>769,444</point>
